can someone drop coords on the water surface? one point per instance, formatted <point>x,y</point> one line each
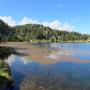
<point>67,69</point>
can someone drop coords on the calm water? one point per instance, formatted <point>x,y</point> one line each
<point>62,74</point>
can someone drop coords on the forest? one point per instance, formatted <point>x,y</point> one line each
<point>37,33</point>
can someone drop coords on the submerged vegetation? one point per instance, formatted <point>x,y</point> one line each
<point>66,77</point>
<point>38,33</point>
<point>33,85</point>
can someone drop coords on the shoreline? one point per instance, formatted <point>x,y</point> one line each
<point>6,80</point>
<point>43,55</point>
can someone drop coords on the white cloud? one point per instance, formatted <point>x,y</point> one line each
<point>55,25</point>
<point>9,20</point>
<point>67,27</point>
<point>25,20</point>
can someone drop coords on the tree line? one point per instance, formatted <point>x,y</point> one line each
<point>37,32</point>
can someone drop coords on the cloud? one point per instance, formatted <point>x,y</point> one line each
<point>59,26</point>
<point>55,25</point>
<point>8,20</point>
<point>25,20</point>
<point>67,27</point>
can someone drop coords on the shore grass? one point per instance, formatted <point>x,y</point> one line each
<point>4,69</point>
<point>5,74</point>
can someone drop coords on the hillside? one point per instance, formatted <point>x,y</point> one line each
<point>37,33</point>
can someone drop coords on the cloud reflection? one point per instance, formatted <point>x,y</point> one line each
<point>14,58</point>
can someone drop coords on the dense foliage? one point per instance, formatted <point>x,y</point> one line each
<point>5,31</point>
<point>34,32</point>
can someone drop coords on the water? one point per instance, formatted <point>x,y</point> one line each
<point>70,69</point>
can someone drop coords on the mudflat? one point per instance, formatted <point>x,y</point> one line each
<point>43,55</point>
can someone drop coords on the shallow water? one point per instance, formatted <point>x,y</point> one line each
<point>70,69</point>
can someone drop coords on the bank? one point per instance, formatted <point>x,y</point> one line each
<point>5,74</point>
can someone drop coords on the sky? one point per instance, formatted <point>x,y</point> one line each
<point>70,15</point>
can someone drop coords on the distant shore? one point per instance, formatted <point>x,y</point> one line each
<point>48,41</point>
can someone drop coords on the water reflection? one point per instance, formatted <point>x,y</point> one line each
<point>66,72</point>
<point>57,75</point>
<point>74,52</point>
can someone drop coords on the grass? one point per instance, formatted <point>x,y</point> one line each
<point>5,76</point>
<point>4,72</point>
